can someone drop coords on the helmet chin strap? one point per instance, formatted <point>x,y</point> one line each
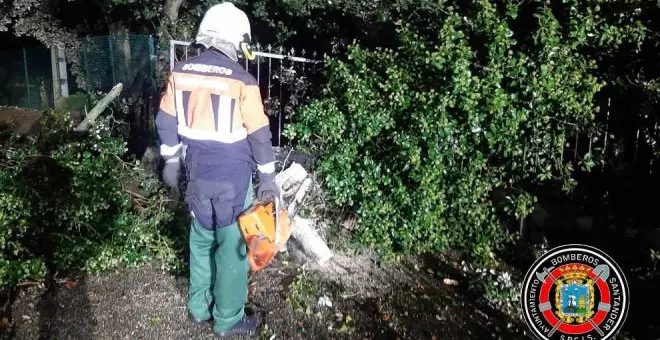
<point>245,47</point>
<point>247,51</point>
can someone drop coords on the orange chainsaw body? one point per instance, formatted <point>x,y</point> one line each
<point>257,226</point>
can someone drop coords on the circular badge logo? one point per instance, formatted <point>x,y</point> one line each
<point>575,292</point>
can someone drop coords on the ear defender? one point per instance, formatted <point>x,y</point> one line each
<point>245,47</point>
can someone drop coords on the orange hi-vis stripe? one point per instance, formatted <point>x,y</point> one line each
<point>213,107</point>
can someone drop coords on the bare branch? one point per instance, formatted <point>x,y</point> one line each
<point>96,111</point>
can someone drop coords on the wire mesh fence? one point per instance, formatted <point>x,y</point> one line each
<point>26,75</point>
<point>111,59</point>
<point>284,77</point>
<point>26,78</point>
<point>131,60</point>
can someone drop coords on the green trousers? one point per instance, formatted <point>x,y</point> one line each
<point>218,273</point>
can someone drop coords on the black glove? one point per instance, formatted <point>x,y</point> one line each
<point>267,190</point>
<point>171,174</point>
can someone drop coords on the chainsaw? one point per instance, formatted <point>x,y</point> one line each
<point>265,227</point>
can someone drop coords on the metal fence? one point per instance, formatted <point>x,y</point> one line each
<point>623,139</point>
<point>26,78</point>
<point>111,59</point>
<point>34,77</point>
<point>282,74</point>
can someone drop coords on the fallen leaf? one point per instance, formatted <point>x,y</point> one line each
<point>324,301</point>
<point>69,284</point>
<point>450,282</point>
<point>386,317</point>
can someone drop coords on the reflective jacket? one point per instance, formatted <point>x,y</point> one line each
<point>213,107</point>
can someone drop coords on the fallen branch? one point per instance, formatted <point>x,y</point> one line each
<point>134,194</point>
<point>294,181</point>
<point>26,284</point>
<point>100,107</point>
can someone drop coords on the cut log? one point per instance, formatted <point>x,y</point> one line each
<point>310,241</point>
<point>295,183</point>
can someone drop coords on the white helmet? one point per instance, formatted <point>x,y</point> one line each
<point>226,28</point>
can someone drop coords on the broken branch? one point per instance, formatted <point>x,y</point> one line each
<point>100,107</point>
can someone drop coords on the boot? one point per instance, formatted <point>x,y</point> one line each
<point>246,326</point>
<point>198,321</point>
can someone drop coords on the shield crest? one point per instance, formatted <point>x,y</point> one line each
<point>575,299</point>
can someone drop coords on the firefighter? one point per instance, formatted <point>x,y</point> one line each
<point>211,116</point>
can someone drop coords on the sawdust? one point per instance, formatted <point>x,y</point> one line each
<point>360,274</point>
<point>407,299</point>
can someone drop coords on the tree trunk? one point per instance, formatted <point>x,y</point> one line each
<point>171,9</point>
